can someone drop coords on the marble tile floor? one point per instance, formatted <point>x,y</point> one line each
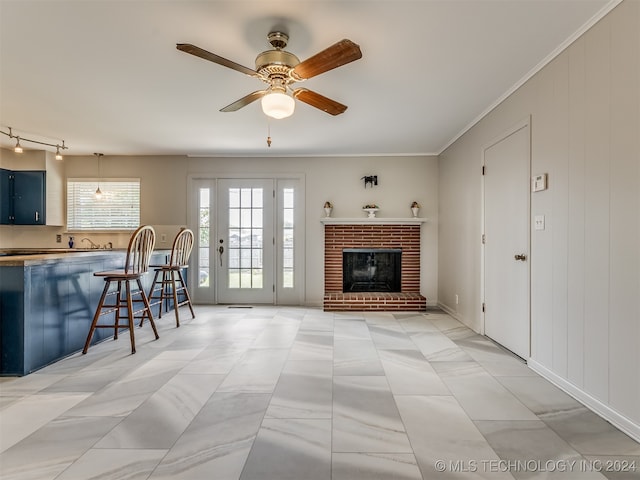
<point>292,393</point>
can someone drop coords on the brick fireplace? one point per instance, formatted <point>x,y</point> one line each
<point>359,235</point>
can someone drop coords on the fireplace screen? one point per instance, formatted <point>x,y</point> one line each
<point>371,270</point>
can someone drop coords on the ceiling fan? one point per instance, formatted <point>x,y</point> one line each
<point>279,69</point>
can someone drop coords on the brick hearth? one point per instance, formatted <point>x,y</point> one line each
<point>340,236</point>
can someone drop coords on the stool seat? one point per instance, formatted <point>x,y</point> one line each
<point>136,265</point>
<point>119,274</point>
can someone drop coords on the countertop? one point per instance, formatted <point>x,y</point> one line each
<point>36,256</point>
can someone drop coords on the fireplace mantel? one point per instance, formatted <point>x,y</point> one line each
<point>373,221</point>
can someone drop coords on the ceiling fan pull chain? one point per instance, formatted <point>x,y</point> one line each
<point>268,134</point>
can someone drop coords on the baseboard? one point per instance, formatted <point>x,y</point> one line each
<point>448,310</point>
<point>623,423</point>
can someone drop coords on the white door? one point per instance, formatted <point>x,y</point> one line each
<point>245,241</point>
<point>506,249</point>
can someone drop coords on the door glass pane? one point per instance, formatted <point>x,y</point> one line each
<point>204,236</point>
<point>245,197</point>
<point>245,237</point>
<point>287,238</point>
<point>234,258</point>
<point>245,217</point>
<point>234,238</point>
<point>234,197</point>
<point>234,218</point>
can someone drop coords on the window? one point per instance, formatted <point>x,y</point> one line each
<point>287,237</point>
<point>118,209</point>
<point>204,232</point>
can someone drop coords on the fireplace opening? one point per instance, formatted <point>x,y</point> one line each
<point>371,270</point>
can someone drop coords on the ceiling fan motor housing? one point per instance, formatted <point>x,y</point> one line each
<point>275,63</point>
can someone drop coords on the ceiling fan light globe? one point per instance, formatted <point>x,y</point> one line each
<point>278,105</point>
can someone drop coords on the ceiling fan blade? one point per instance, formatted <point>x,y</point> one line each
<point>319,101</point>
<point>338,54</point>
<point>244,101</point>
<point>212,57</point>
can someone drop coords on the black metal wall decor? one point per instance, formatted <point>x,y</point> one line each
<point>370,180</point>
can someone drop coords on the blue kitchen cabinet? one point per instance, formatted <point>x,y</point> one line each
<point>29,197</point>
<point>6,196</point>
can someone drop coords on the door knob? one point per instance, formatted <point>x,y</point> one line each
<point>221,250</point>
<point>522,257</point>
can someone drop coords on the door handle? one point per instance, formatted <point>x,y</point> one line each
<point>37,216</point>
<point>522,257</point>
<point>220,251</point>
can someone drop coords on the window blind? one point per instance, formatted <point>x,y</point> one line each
<point>118,209</point>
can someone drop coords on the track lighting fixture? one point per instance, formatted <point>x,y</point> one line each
<point>18,147</point>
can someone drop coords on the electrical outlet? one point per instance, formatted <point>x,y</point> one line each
<point>163,237</point>
<point>58,238</point>
<point>457,299</point>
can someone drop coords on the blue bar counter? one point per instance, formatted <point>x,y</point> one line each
<point>47,301</point>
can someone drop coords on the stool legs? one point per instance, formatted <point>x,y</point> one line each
<point>126,302</point>
<point>186,293</point>
<point>96,317</point>
<point>147,309</point>
<point>172,284</point>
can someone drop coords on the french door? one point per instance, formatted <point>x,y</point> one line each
<point>245,241</point>
<point>249,245</point>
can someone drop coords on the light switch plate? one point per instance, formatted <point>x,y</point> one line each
<point>539,183</point>
<point>538,223</point>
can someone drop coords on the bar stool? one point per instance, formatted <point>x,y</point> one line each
<point>168,282</point>
<point>136,265</point>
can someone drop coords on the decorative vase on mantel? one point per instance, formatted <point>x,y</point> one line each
<point>371,210</point>
<point>328,207</point>
<point>415,209</point>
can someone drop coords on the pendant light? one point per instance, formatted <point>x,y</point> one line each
<point>98,193</point>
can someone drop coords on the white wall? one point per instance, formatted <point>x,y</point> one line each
<point>401,180</point>
<point>585,275</point>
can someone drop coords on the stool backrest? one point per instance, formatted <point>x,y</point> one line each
<point>140,249</point>
<point>182,246</point>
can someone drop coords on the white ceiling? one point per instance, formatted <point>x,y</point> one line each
<point>105,76</point>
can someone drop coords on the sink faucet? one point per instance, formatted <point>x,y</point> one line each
<point>93,245</point>
<point>110,247</point>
